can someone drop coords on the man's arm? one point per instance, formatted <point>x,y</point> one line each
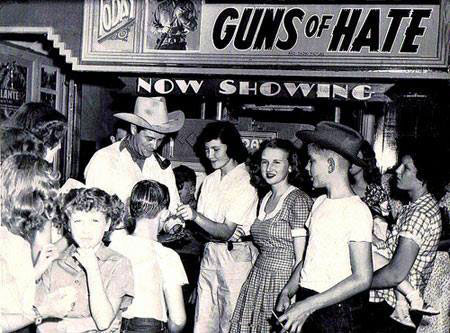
<point>358,281</point>
<point>398,268</point>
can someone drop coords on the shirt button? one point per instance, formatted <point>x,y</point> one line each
<point>77,282</point>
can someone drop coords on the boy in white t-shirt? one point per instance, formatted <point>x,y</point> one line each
<point>159,275</point>
<point>338,263</point>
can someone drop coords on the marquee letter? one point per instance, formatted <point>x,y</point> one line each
<point>291,31</point>
<point>414,30</point>
<point>222,42</point>
<point>344,30</point>
<point>369,35</point>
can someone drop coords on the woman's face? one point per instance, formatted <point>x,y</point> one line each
<point>274,166</point>
<point>407,174</point>
<point>216,153</point>
<point>356,169</point>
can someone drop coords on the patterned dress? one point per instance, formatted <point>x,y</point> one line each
<point>272,233</point>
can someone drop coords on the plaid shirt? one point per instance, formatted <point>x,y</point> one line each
<point>421,222</point>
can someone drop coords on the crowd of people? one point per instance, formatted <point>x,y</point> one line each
<point>93,256</point>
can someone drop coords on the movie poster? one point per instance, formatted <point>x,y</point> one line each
<point>13,88</point>
<point>172,25</point>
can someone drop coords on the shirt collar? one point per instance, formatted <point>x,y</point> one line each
<point>66,259</point>
<point>424,197</point>
<point>126,144</point>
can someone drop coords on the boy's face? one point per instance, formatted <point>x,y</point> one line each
<point>407,174</point>
<point>317,168</point>
<point>88,228</point>
<point>187,192</point>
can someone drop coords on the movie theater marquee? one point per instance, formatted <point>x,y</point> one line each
<point>319,33</point>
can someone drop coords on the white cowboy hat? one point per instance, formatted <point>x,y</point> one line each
<point>151,113</point>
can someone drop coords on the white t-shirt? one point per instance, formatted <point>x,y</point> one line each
<point>155,268</point>
<point>332,225</point>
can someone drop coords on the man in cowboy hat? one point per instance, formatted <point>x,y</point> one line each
<point>337,264</point>
<point>118,167</point>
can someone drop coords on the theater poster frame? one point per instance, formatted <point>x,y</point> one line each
<point>269,34</point>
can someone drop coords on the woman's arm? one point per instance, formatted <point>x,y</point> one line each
<point>291,287</point>
<point>398,268</point>
<point>175,305</point>
<point>222,231</point>
<point>358,281</point>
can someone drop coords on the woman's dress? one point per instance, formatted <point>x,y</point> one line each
<point>273,235</point>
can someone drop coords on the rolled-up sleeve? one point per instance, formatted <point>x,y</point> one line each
<point>298,214</point>
<point>415,227</point>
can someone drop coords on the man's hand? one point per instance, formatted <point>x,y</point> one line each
<point>186,212</point>
<point>179,11</point>
<point>295,316</point>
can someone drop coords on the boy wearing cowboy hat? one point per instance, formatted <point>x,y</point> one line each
<point>118,167</point>
<point>337,264</point>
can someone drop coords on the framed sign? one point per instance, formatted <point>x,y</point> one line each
<point>291,34</point>
<point>253,139</point>
<point>49,86</point>
<point>15,85</point>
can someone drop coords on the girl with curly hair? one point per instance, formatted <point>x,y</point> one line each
<point>27,206</point>
<point>282,215</point>
<point>101,277</point>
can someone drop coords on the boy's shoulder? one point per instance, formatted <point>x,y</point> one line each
<point>167,254</point>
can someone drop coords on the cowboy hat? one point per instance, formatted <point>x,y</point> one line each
<point>151,113</point>
<point>336,137</point>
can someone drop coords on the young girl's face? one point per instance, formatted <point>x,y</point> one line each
<point>88,228</point>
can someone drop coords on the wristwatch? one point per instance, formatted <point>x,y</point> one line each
<point>38,319</point>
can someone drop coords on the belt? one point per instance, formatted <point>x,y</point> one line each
<point>243,239</point>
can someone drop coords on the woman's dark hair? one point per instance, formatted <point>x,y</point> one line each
<point>16,140</point>
<point>427,158</point>
<point>184,174</point>
<point>295,176</point>
<point>47,124</point>
<point>87,199</point>
<point>28,191</point>
<point>228,135</point>
<point>147,199</point>
<point>371,173</point>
